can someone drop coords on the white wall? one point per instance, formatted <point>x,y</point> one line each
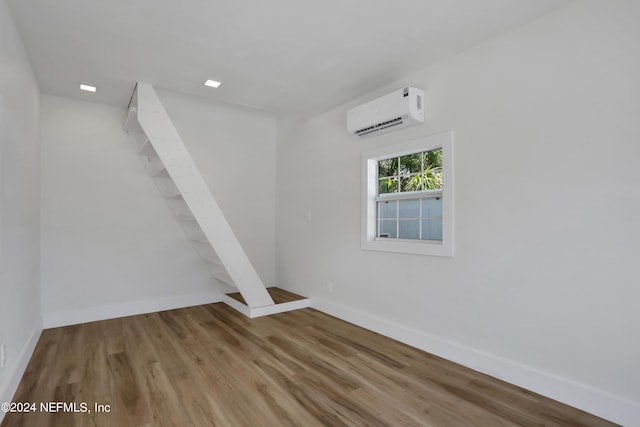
<point>235,150</point>
<point>543,289</point>
<point>20,320</point>
<point>110,244</point>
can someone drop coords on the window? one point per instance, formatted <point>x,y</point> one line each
<point>409,200</point>
<point>409,197</point>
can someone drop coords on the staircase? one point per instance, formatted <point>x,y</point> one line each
<point>174,172</point>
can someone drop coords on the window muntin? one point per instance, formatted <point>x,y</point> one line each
<point>409,199</point>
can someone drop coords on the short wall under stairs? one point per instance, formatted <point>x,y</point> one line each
<point>283,301</point>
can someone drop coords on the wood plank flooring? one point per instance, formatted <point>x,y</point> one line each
<point>211,366</point>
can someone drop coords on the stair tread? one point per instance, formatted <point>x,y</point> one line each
<point>199,238</point>
<point>213,261</point>
<point>160,172</point>
<point>131,123</point>
<point>146,148</point>
<point>224,277</point>
<point>186,217</point>
<point>172,195</point>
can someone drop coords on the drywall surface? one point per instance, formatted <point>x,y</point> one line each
<point>235,149</point>
<point>110,244</point>
<point>543,288</point>
<point>20,320</point>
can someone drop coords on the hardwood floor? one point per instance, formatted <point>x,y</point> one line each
<point>211,366</point>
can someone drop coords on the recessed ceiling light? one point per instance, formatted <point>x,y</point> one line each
<point>88,88</point>
<point>212,83</point>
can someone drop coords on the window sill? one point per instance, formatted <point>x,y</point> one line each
<point>422,247</point>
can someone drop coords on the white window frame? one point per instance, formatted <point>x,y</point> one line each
<point>370,160</point>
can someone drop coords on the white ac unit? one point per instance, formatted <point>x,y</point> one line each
<point>397,110</point>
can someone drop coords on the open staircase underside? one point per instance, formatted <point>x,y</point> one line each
<point>174,172</point>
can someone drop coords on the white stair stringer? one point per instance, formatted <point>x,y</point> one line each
<point>228,262</point>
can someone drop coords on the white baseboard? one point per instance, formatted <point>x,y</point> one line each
<point>283,307</point>
<point>6,394</point>
<point>237,305</point>
<point>130,308</point>
<point>583,397</point>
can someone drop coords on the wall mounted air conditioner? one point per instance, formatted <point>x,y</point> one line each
<point>399,109</point>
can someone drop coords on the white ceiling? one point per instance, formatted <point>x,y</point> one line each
<point>284,56</point>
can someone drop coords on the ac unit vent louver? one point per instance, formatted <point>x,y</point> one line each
<point>397,110</point>
<point>380,126</point>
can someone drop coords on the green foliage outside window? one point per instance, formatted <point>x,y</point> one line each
<point>413,172</point>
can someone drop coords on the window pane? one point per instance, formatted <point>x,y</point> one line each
<point>432,173</point>
<point>411,163</point>
<point>432,229</point>
<point>409,208</point>
<point>432,208</point>
<point>387,228</point>
<point>409,229</point>
<point>433,158</point>
<point>387,209</point>
<point>388,167</point>
<point>411,183</point>
<point>387,185</point>
<point>432,179</point>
